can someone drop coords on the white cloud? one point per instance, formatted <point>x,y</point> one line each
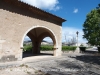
<point>70,32</point>
<point>26,38</point>
<point>44,4</point>
<point>75,11</point>
<point>48,39</point>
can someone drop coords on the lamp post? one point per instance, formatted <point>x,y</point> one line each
<point>77,49</point>
<point>77,38</point>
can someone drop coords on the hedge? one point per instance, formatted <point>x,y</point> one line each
<point>68,48</point>
<point>27,48</point>
<point>46,48</point>
<point>50,48</point>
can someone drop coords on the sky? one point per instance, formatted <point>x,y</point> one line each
<point>74,11</point>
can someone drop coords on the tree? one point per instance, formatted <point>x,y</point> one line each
<point>98,8</point>
<point>91,27</point>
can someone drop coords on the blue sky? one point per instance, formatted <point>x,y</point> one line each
<point>74,11</point>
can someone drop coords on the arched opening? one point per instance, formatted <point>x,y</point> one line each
<point>47,46</point>
<point>27,50</point>
<point>36,36</point>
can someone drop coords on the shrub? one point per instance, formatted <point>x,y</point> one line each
<point>27,48</point>
<point>82,49</point>
<point>98,49</point>
<point>68,48</point>
<point>46,48</point>
<point>49,48</point>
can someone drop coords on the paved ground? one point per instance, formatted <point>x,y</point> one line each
<point>69,64</point>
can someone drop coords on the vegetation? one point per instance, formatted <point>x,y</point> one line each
<point>27,48</point>
<point>49,48</point>
<point>81,45</point>
<point>46,48</point>
<point>91,27</point>
<point>68,48</point>
<point>82,49</point>
<point>99,49</point>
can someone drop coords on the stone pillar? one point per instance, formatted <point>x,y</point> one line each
<point>77,49</point>
<point>36,49</point>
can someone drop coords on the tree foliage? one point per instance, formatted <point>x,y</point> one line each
<point>91,27</point>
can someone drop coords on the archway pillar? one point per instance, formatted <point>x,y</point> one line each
<point>36,49</point>
<point>58,46</point>
<point>57,51</point>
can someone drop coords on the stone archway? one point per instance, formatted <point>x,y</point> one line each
<point>37,34</point>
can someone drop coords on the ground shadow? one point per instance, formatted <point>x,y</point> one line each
<point>88,59</point>
<point>76,68</point>
<point>29,54</point>
<point>89,52</point>
<point>89,56</point>
<point>70,65</point>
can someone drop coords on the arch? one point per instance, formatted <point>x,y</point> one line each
<point>46,34</point>
<point>38,27</point>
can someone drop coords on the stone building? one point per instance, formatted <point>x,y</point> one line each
<point>18,19</point>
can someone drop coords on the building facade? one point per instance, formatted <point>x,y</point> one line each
<point>17,20</point>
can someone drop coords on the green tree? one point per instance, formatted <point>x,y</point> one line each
<point>91,27</point>
<point>98,8</point>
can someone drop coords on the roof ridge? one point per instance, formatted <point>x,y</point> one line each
<point>41,9</point>
<point>36,10</point>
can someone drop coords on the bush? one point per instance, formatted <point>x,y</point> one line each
<point>82,49</point>
<point>27,48</point>
<point>68,48</point>
<point>46,48</point>
<point>49,48</point>
<point>98,49</point>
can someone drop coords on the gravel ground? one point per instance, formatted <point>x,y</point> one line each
<point>68,64</point>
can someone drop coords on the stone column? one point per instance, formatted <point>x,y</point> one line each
<point>77,49</point>
<point>36,48</point>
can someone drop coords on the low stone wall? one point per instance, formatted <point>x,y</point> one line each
<point>62,51</point>
<point>47,52</point>
<point>68,51</point>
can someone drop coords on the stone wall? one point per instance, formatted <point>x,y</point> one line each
<point>13,26</point>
